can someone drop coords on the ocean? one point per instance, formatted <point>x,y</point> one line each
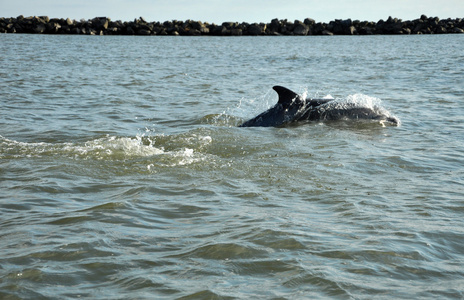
<point>124,174</point>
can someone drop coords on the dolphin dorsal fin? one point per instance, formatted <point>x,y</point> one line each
<point>286,96</point>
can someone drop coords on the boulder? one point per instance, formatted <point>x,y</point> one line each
<point>229,25</point>
<point>46,19</point>
<point>346,23</point>
<point>287,27</point>
<point>301,29</point>
<point>350,30</point>
<point>10,28</point>
<point>440,30</point>
<point>104,25</point>
<point>309,21</point>
<point>129,30</point>
<point>225,31</point>
<point>326,32</point>
<point>100,23</point>
<point>393,28</point>
<point>143,32</point>
<point>236,32</point>
<point>52,27</point>
<point>215,29</point>
<point>204,30</point>
<point>366,30</point>
<point>274,26</point>
<point>194,32</point>
<point>256,29</point>
<point>39,28</point>
<point>318,28</point>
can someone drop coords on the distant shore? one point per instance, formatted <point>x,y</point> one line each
<point>105,26</point>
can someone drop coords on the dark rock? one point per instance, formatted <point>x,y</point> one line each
<point>64,30</point>
<point>157,29</point>
<point>309,21</point>
<point>130,31</point>
<point>57,21</point>
<point>287,27</point>
<point>104,25</point>
<point>46,19</point>
<point>52,27</point>
<point>366,30</point>
<point>225,31</point>
<point>335,27</point>
<point>236,32</point>
<point>347,23</point>
<point>440,30</point>
<point>204,30</point>
<point>143,32</point>
<point>392,28</point>
<point>420,26</point>
<point>326,32</point>
<point>11,29</point>
<point>318,28</point>
<point>75,30</point>
<point>194,32</point>
<point>216,29</point>
<point>301,29</point>
<point>198,25</point>
<point>351,30</point>
<point>100,23</point>
<point>274,26</point>
<point>146,26</point>
<point>39,28</point>
<point>229,25</point>
<point>255,29</point>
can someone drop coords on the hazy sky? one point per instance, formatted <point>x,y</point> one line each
<point>219,11</point>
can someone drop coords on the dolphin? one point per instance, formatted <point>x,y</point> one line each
<point>292,108</point>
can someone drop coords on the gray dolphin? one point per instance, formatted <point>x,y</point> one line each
<point>292,108</point>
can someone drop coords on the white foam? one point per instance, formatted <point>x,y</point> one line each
<point>109,146</point>
<point>113,148</point>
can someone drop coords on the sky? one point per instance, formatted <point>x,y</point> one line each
<point>218,11</point>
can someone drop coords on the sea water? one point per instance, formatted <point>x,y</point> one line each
<point>123,174</point>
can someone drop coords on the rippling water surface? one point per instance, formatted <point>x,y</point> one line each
<point>123,174</point>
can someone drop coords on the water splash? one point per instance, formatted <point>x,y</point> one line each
<point>175,150</point>
<point>356,106</point>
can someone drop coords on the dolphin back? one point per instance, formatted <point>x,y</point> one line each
<point>292,107</point>
<point>287,97</point>
<point>283,112</point>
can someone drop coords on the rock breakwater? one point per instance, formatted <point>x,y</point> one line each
<point>105,26</point>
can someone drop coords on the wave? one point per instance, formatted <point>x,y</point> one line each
<point>152,150</point>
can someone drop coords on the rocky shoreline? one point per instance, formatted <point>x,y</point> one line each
<point>105,26</point>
